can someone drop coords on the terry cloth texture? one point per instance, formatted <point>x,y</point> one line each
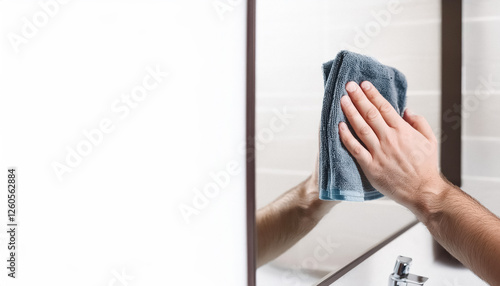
<point>340,177</point>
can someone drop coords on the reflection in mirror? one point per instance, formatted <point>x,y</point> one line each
<point>300,238</point>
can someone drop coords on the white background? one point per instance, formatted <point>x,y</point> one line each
<point>118,210</point>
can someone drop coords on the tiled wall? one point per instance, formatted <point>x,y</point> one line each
<point>481,102</point>
<point>294,38</point>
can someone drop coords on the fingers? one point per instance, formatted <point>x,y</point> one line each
<point>362,129</point>
<point>420,124</point>
<point>353,146</point>
<point>388,112</point>
<point>367,110</point>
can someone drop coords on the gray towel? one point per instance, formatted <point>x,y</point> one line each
<point>340,177</point>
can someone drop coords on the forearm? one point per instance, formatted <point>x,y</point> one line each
<point>399,158</point>
<point>464,227</point>
<point>286,220</point>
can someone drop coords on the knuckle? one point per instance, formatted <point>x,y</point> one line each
<point>391,141</point>
<point>383,136</point>
<point>356,149</point>
<point>365,130</point>
<point>385,107</point>
<point>371,114</point>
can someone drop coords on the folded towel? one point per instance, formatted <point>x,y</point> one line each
<point>340,176</point>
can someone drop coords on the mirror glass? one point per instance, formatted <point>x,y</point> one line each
<point>294,39</point>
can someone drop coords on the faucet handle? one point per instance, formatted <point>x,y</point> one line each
<point>401,274</point>
<point>402,267</point>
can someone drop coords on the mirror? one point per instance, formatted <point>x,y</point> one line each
<point>294,39</point>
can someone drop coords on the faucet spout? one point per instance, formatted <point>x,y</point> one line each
<point>401,275</point>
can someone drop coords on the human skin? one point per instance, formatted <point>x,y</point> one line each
<point>400,161</point>
<point>290,217</point>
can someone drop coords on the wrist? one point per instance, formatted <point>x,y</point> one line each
<point>431,201</point>
<point>312,206</point>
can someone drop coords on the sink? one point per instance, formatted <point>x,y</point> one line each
<point>347,232</point>
<point>429,259</point>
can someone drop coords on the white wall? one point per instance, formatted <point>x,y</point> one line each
<point>294,39</point>
<point>118,210</point>
<point>481,102</point>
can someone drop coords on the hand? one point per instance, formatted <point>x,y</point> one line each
<point>310,202</point>
<point>400,157</point>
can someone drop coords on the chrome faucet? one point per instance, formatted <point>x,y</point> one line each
<point>402,276</point>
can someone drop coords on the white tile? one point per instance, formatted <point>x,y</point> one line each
<point>481,76</point>
<point>358,12</point>
<point>481,157</point>
<point>413,40</point>
<point>423,74</point>
<point>293,43</point>
<point>481,102</point>
<point>429,106</point>
<point>303,125</point>
<point>481,115</point>
<point>267,100</point>
<point>474,9</point>
<point>415,11</point>
<point>480,41</point>
<point>485,190</point>
<point>295,155</point>
<point>291,78</point>
<point>271,185</point>
<point>413,49</point>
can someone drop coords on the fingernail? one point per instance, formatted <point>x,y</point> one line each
<point>409,112</point>
<point>366,85</point>
<point>351,86</point>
